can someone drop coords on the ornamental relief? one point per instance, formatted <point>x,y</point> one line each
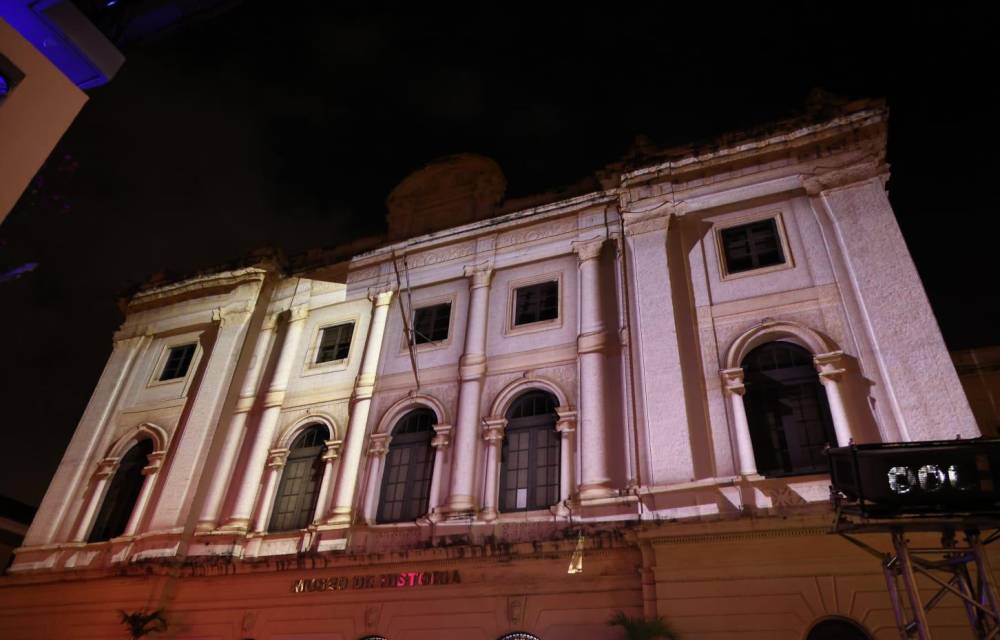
<point>437,256</point>
<point>359,275</point>
<point>536,232</point>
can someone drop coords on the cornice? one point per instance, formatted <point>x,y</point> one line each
<point>202,284</point>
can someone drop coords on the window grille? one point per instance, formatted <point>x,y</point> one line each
<point>529,462</point>
<point>406,478</point>
<point>295,503</point>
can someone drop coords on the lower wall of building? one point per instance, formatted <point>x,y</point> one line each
<point>771,578</point>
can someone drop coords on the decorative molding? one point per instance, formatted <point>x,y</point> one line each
<point>378,445</point>
<point>442,436</point>
<point>331,450</point>
<point>740,536</point>
<point>536,232</point>
<point>493,429</point>
<point>106,467</point>
<point>732,380</point>
<point>479,275</point>
<point>769,330</point>
<point>588,249</point>
<point>382,296</point>
<point>828,365</point>
<point>437,256</point>
<point>298,313</point>
<point>365,273</point>
<point>846,176</point>
<point>276,458</point>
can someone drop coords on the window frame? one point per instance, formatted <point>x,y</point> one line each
<point>172,342</point>
<point>310,366</point>
<point>315,351</point>
<point>513,329</point>
<point>412,441</point>
<point>730,223</point>
<point>304,454</point>
<point>542,423</point>
<point>450,299</point>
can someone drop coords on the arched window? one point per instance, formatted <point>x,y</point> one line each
<point>122,493</point>
<point>529,460</point>
<point>837,629</point>
<point>296,499</point>
<point>787,410</point>
<point>406,479</point>
<point>518,635</point>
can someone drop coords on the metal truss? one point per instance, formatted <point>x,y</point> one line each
<point>958,569</point>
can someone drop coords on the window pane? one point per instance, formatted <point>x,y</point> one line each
<point>752,246</point>
<point>335,344</point>
<point>409,464</point>
<point>178,361</point>
<point>536,303</point>
<point>430,324</point>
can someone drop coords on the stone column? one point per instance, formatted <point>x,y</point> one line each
<point>830,374</point>
<point>221,477</point>
<point>566,426</point>
<point>239,519</point>
<point>732,382</point>
<point>275,463</point>
<point>493,431</point>
<point>150,471</point>
<point>377,448</point>
<point>105,470</point>
<point>342,510</point>
<point>329,456</point>
<point>440,442</point>
<point>189,453</point>
<point>472,368</point>
<point>55,511</point>
<point>590,346</point>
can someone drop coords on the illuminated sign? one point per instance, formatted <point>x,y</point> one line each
<point>918,478</point>
<point>377,581</point>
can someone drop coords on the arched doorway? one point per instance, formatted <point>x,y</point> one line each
<point>406,479</point>
<point>122,494</point>
<point>838,629</point>
<point>299,488</point>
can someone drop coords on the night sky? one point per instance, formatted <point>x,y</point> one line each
<point>273,124</point>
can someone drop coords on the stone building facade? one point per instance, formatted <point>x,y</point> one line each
<point>417,439</point>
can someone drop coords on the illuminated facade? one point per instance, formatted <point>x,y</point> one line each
<point>415,441</point>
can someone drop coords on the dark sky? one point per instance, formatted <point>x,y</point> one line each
<point>276,124</point>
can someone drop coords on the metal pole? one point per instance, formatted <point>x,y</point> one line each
<point>988,589</point>
<point>897,606</point>
<point>910,583</point>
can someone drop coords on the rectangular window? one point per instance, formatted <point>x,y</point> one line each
<point>178,362</point>
<point>536,303</point>
<point>335,343</point>
<point>752,246</point>
<point>430,324</point>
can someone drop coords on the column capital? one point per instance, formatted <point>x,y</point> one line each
<point>378,445</point>
<point>381,297</point>
<point>442,436</point>
<point>654,218</point>
<point>235,314</point>
<point>298,313</point>
<point>276,458</point>
<point>588,249</point>
<point>732,380</point>
<point>479,275</point>
<point>592,341</point>
<point>829,365</point>
<point>270,321</point>
<point>566,423</point>
<point>130,334</point>
<point>155,463</point>
<point>106,467</point>
<point>332,449</point>
<point>493,428</point>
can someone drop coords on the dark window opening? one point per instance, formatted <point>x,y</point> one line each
<point>406,478</point>
<point>752,246</point>
<point>122,494</point>
<point>529,459</point>
<point>837,629</point>
<point>295,503</point>
<point>536,303</point>
<point>787,409</point>
<point>335,342</point>
<point>430,324</point>
<point>178,362</point>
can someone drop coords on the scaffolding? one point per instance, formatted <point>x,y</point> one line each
<point>959,567</point>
